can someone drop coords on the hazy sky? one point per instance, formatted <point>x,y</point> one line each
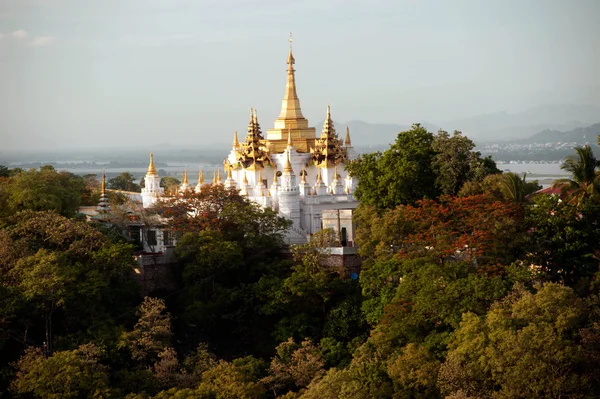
<point>144,72</point>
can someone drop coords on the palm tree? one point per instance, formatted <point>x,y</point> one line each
<point>585,180</point>
<point>513,187</point>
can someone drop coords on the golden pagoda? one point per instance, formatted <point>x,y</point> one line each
<point>329,149</point>
<point>291,119</point>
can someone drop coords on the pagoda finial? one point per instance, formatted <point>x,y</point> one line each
<point>290,59</point>
<point>289,143</point>
<point>260,178</point>
<point>200,177</point>
<point>103,184</point>
<point>290,106</point>
<point>236,142</point>
<point>274,175</point>
<point>151,168</point>
<point>219,175</point>
<point>319,177</point>
<point>255,117</point>
<point>214,176</point>
<point>229,174</point>
<point>348,142</point>
<point>288,164</point>
<point>251,115</point>
<point>185,178</point>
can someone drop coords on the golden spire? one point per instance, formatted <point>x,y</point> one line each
<point>151,168</point>
<point>103,184</point>
<point>245,181</point>
<point>319,178</point>
<point>290,105</point>
<point>200,177</point>
<point>274,175</point>
<point>255,117</point>
<point>214,176</point>
<point>288,165</point>
<point>289,143</point>
<point>229,175</point>
<point>303,173</point>
<point>219,175</point>
<point>260,179</point>
<point>348,142</point>
<point>335,174</point>
<point>236,142</point>
<point>185,179</point>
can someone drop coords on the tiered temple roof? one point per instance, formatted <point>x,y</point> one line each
<point>253,153</point>
<point>329,149</point>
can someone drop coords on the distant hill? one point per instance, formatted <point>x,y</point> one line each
<point>509,126</point>
<point>580,135</point>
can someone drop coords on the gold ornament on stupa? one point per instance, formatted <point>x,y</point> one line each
<point>151,168</point>
<point>253,154</point>
<point>329,148</point>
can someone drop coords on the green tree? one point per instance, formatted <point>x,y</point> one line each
<point>585,180</point>
<point>515,188</point>
<point>45,189</point>
<point>316,300</point>
<point>63,282</point>
<point>44,282</point>
<point>67,374</point>
<point>294,366</point>
<point>414,373</point>
<point>170,184</point>
<point>229,243</point>
<point>455,162</point>
<point>402,174</point>
<point>563,239</point>
<point>125,181</point>
<point>152,333</point>
<point>527,346</point>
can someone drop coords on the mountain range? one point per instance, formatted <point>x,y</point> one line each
<point>580,135</point>
<point>552,120</point>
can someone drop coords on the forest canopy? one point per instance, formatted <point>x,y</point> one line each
<point>472,285</point>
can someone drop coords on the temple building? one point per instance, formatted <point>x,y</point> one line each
<point>291,169</point>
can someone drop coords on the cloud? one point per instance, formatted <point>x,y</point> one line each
<point>22,37</point>
<point>39,41</point>
<point>18,34</point>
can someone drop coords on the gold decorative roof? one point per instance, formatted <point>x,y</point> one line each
<point>329,149</point>
<point>151,168</point>
<point>253,153</point>
<point>103,184</point>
